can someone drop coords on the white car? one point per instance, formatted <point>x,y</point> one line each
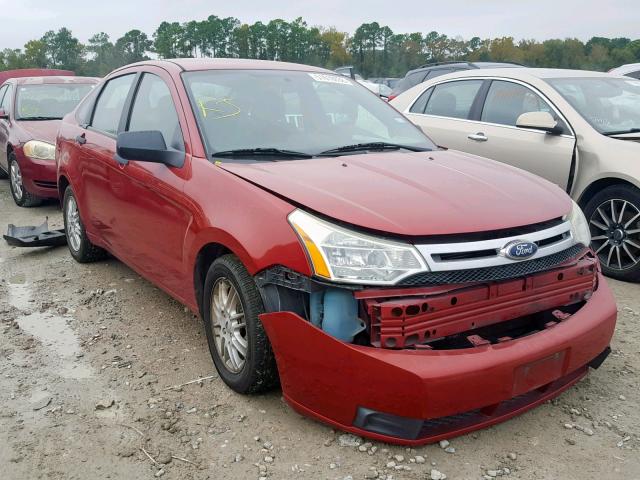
<point>629,70</point>
<point>578,129</point>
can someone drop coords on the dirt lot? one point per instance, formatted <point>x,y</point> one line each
<point>89,355</point>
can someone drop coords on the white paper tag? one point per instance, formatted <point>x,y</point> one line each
<point>327,78</point>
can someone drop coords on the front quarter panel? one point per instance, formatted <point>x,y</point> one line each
<point>244,218</point>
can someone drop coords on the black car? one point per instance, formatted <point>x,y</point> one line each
<point>430,70</point>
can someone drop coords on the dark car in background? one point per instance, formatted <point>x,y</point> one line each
<point>390,82</point>
<point>431,70</point>
<point>30,112</point>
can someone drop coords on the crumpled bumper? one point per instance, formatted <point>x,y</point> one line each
<point>420,396</point>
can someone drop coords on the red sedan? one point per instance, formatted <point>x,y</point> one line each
<point>31,109</point>
<point>394,289</point>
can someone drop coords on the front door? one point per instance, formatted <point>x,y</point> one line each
<point>497,137</point>
<point>151,215</point>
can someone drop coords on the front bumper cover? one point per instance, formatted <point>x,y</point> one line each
<point>448,392</point>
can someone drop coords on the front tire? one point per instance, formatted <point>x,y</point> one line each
<point>18,190</point>
<point>80,247</point>
<point>614,220</point>
<point>238,344</point>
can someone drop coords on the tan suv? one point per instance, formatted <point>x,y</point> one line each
<point>578,129</point>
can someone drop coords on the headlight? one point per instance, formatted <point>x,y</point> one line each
<point>579,226</point>
<point>345,256</point>
<point>39,150</point>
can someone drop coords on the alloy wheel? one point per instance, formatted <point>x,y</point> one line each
<point>228,325</point>
<point>16,180</point>
<point>74,229</point>
<point>615,233</point>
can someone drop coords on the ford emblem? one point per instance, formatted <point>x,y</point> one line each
<point>519,249</point>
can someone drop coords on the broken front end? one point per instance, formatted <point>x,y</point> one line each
<point>472,340</point>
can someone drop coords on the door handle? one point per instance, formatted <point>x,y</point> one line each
<point>478,137</point>
<point>81,139</point>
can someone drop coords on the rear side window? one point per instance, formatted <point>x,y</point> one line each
<point>153,109</point>
<point>634,74</point>
<point>506,101</point>
<point>106,116</point>
<point>421,102</point>
<point>83,113</point>
<point>453,99</point>
<point>6,100</point>
<point>2,92</point>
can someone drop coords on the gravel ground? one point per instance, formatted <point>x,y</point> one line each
<point>94,371</point>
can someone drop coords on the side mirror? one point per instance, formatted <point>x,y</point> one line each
<point>4,115</point>
<point>146,146</point>
<point>538,121</point>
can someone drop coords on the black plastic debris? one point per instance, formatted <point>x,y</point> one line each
<point>31,236</point>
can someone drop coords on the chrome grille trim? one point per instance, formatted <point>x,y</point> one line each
<point>432,252</point>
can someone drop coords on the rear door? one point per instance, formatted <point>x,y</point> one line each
<point>496,135</point>
<point>101,180</point>
<point>443,111</point>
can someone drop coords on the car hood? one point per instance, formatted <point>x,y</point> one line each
<point>45,130</point>
<point>415,194</point>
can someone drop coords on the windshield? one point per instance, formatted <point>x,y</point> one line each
<point>53,100</point>
<point>610,105</point>
<point>292,110</point>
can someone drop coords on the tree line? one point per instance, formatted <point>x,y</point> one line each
<point>374,49</point>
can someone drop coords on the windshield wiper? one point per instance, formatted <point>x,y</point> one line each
<point>40,118</point>
<point>373,146</point>
<point>256,152</point>
<point>622,132</point>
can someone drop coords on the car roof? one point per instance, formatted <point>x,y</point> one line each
<point>623,69</point>
<point>469,65</point>
<point>526,73</point>
<point>199,64</point>
<point>54,79</point>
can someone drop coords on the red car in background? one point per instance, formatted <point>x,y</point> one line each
<point>396,290</point>
<point>31,109</point>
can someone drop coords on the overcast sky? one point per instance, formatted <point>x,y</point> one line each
<point>22,20</point>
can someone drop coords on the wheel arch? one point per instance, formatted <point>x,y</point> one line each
<point>63,183</point>
<point>600,184</point>
<point>207,254</point>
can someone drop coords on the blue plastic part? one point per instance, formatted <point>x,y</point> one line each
<point>340,314</point>
<point>315,305</point>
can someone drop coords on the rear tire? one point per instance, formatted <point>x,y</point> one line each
<point>234,324</point>
<point>19,192</point>
<point>80,247</point>
<point>614,220</point>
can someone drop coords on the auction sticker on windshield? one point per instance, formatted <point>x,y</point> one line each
<point>323,77</point>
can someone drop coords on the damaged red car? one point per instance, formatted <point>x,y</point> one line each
<point>30,111</point>
<point>395,290</point>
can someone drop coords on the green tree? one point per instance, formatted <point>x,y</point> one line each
<point>63,49</point>
<point>132,47</point>
<point>35,54</point>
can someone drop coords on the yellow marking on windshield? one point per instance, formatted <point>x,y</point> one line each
<point>220,108</point>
